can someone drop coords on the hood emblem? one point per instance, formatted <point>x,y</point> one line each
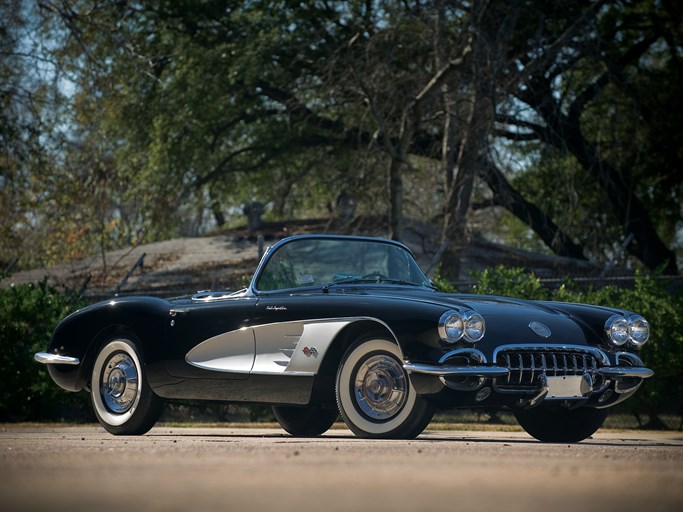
<point>542,330</point>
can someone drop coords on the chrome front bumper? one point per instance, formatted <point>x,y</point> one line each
<point>437,370</point>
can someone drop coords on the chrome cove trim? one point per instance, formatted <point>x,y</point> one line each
<point>278,348</point>
<point>47,358</point>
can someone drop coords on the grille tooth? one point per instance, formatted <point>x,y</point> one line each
<point>526,365</point>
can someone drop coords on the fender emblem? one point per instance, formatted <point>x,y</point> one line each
<point>308,352</point>
<point>542,330</point>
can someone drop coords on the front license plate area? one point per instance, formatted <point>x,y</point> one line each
<point>569,386</point>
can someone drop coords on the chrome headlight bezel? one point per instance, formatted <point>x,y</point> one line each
<point>638,330</point>
<point>632,329</point>
<point>475,326</point>
<point>448,326</point>
<point>467,325</point>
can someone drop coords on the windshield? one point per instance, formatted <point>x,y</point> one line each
<point>326,262</point>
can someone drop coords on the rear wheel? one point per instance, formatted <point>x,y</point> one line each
<point>561,425</point>
<point>122,399</point>
<point>305,421</point>
<point>374,393</point>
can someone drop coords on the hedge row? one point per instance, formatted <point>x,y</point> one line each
<point>28,315</point>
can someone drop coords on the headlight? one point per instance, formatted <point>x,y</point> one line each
<point>638,330</point>
<point>451,326</point>
<point>633,328</point>
<point>454,326</point>
<point>617,330</point>
<point>474,327</point>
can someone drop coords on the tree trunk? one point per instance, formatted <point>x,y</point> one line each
<point>396,198</point>
<point>216,210</point>
<point>455,235</point>
<point>530,214</point>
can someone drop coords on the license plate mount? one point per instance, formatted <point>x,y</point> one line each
<point>567,386</point>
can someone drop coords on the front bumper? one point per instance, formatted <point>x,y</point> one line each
<point>48,358</point>
<point>526,375</point>
<point>438,370</point>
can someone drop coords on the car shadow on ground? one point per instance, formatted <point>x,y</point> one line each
<point>500,438</point>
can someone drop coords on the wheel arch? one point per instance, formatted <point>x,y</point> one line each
<point>99,341</point>
<point>323,386</point>
<point>82,333</point>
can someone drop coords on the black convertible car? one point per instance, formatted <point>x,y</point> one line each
<point>350,325</point>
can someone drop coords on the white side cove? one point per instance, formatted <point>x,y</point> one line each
<point>292,348</point>
<point>228,352</point>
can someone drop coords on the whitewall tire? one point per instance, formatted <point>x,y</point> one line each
<point>122,399</point>
<point>374,394</point>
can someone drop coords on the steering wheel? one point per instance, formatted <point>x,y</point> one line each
<point>375,275</point>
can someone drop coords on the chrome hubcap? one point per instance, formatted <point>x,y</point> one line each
<point>119,384</point>
<point>380,387</point>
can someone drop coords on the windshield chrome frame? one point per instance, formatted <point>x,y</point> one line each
<point>252,290</point>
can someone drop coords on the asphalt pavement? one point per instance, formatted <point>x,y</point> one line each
<point>231,469</point>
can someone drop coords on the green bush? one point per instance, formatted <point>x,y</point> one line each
<point>648,297</point>
<point>28,315</point>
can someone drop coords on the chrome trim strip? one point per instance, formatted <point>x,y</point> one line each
<point>456,371</point>
<point>288,374</point>
<point>596,352</point>
<point>47,358</point>
<point>626,371</point>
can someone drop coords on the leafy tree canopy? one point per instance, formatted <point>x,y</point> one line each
<point>148,119</point>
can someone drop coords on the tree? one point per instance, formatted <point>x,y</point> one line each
<point>576,102</point>
<point>178,111</point>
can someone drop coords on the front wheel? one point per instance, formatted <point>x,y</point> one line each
<point>374,393</point>
<point>308,421</point>
<point>561,425</point>
<point>122,399</point>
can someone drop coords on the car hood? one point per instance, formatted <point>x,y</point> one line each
<point>515,321</point>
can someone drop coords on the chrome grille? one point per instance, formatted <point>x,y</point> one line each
<point>526,365</point>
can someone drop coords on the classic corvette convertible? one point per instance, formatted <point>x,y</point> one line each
<point>334,325</point>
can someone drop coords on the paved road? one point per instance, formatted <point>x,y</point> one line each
<point>83,468</point>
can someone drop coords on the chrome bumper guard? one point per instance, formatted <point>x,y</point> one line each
<point>47,358</point>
